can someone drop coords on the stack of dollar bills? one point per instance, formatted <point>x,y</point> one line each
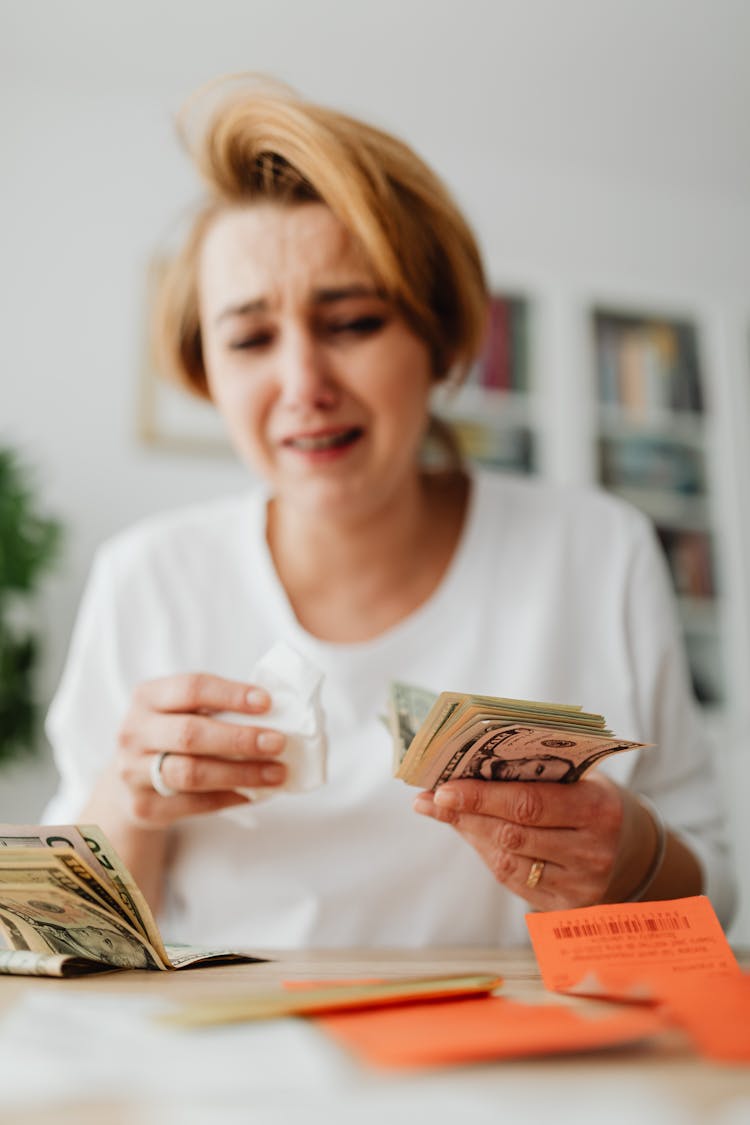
<point>69,906</point>
<point>453,735</point>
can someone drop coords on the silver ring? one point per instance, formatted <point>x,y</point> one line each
<point>158,782</point>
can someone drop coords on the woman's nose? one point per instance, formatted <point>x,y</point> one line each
<point>305,373</point>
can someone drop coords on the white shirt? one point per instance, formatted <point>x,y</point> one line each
<point>553,594</point>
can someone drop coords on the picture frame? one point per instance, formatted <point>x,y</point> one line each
<point>168,417</point>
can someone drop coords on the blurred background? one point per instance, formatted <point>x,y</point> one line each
<point>601,151</point>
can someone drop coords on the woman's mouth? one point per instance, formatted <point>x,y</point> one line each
<point>324,441</point>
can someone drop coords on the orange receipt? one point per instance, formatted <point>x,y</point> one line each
<point>630,950</point>
<point>478,1030</point>
<point>716,1019</point>
<point>673,953</point>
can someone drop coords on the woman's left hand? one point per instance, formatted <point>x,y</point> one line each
<point>589,837</point>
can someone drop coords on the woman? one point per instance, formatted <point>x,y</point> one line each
<point>327,287</point>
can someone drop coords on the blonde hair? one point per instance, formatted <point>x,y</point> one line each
<point>263,143</point>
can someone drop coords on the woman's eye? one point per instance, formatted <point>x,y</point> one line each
<point>359,326</point>
<point>246,343</point>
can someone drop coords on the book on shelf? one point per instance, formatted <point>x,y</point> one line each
<point>706,666</point>
<point>503,364</point>
<point>495,364</point>
<point>688,385</point>
<point>647,365</point>
<point>496,446</point>
<point>520,348</point>
<point>689,556</point>
<point>646,461</point>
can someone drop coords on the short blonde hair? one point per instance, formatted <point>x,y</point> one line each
<point>265,144</point>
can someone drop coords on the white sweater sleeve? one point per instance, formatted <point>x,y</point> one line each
<point>682,778</point>
<point>91,699</point>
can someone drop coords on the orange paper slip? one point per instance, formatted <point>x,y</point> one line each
<point>717,1019</point>
<point>479,1030</point>
<point>636,950</point>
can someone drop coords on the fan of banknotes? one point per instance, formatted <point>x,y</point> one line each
<point>69,906</point>
<point>453,735</point>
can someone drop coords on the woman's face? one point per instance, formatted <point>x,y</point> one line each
<point>323,386</point>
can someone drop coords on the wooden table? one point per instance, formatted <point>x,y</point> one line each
<point>668,1082</point>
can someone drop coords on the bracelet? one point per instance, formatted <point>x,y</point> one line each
<point>661,846</point>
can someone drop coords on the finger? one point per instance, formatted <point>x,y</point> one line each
<point>487,836</point>
<point>198,734</point>
<point>191,774</point>
<point>543,804</point>
<point>492,834</point>
<point>564,846</point>
<point>149,808</point>
<point>578,863</point>
<point>505,844</point>
<point>198,691</point>
<point>588,841</point>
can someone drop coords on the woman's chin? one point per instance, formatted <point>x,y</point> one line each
<point>327,500</point>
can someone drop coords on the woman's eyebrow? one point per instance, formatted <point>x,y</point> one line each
<point>259,305</point>
<point>329,296</point>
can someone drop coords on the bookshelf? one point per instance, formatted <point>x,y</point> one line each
<point>492,413</point>
<point>653,448</point>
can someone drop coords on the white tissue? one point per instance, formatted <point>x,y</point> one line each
<point>294,684</point>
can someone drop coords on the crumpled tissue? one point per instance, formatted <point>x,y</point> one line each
<point>294,684</point>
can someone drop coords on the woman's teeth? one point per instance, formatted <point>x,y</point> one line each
<point>323,441</point>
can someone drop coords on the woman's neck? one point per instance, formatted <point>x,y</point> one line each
<point>349,580</point>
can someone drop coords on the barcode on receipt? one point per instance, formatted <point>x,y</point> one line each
<point>607,927</point>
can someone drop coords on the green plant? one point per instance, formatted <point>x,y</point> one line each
<point>29,544</point>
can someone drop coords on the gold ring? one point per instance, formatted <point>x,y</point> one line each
<point>535,873</point>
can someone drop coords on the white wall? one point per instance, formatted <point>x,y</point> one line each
<point>598,147</point>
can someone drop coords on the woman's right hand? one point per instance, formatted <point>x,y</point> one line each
<point>207,758</point>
